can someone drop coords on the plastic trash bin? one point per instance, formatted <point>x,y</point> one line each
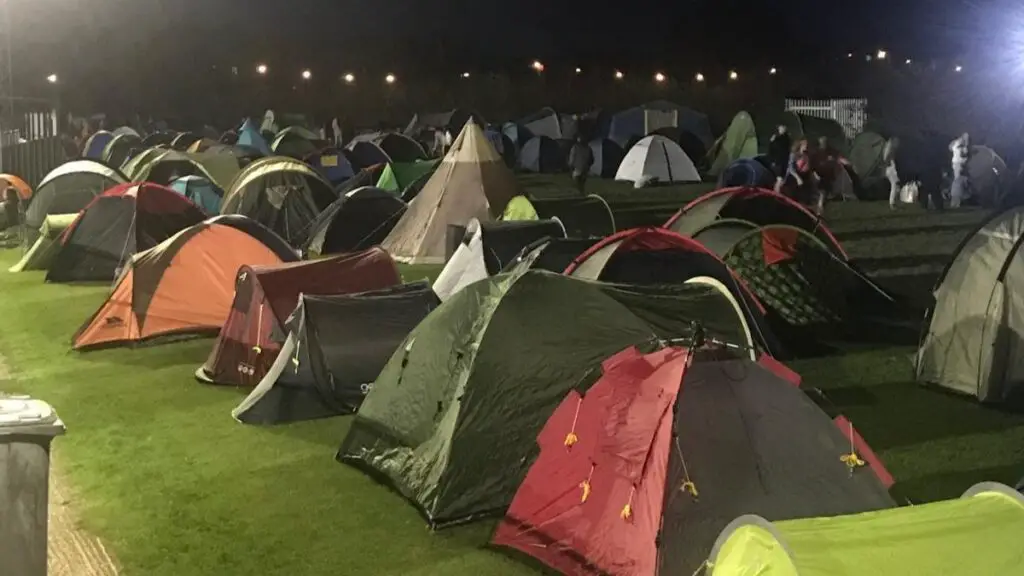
<point>27,427</point>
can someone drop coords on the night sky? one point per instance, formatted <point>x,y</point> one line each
<point>110,37</point>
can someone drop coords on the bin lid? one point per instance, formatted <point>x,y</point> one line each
<point>25,415</point>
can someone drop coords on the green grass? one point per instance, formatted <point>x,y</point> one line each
<point>176,487</point>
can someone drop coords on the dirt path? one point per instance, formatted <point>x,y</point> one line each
<point>73,552</point>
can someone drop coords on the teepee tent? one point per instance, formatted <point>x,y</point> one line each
<point>471,182</point>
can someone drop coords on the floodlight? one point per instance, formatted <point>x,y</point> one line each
<point>659,77</point>
<point>390,78</point>
<point>699,77</point>
<point>261,69</point>
<point>306,74</point>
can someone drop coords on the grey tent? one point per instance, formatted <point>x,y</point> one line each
<point>67,189</point>
<point>551,254</point>
<point>544,122</point>
<point>471,182</point>
<point>607,157</point>
<point>974,343</point>
<point>487,248</point>
<point>542,154</point>
<point>584,217</point>
<point>335,348</point>
<point>358,220</point>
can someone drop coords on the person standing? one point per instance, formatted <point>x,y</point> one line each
<point>581,158</point>
<point>891,174</point>
<point>960,149</point>
<point>779,148</point>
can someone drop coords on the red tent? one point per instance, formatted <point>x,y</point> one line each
<point>640,474</point>
<point>266,295</point>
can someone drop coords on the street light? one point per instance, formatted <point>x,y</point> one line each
<point>537,66</point>
<point>733,75</point>
<point>261,69</point>
<point>579,70</point>
<point>465,74</point>
<point>908,61</point>
<point>699,77</point>
<point>959,68</point>
<point>881,54</point>
<point>619,75</point>
<point>390,78</point>
<point>52,78</point>
<point>849,54</point>
<point>659,77</point>
<point>306,74</point>
<point>773,71</point>
<point>349,78</point>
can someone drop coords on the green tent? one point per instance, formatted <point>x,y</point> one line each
<point>452,420</point>
<point>397,176</point>
<point>133,164</point>
<point>170,165</point>
<point>802,126</point>
<point>974,535</point>
<point>739,141</point>
<point>519,208</point>
<point>46,245</point>
<point>866,156</point>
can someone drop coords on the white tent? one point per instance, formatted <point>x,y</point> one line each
<point>657,159</point>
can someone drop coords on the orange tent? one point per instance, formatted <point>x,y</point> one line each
<point>12,181</point>
<point>184,285</point>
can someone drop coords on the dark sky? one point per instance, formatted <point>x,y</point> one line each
<point>111,37</point>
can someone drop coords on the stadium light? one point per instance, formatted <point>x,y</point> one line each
<point>390,78</point>
<point>908,61</point>
<point>733,75</point>
<point>699,77</point>
<point>881,54</point>
<point>959,68</point>
<point>261,69</point>
<point>619,75</point>
<point>52,78</point>
<point>537,66</point>
<point>465,74</point>
<point>306,74</point>
<point>579,70</point>
<point>349,78</point>
<point>659,77</point>
<point>773,71</point>
<point>849,54</point>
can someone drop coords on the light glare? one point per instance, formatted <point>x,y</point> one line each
<point>882,54</point>
<point>306,74</point>
<point>52,78</point>
<point>465,74</point>
<point>699,77</point>
<point>349,78</point>
<point>733,75</point>
<point>619,75</point>
<point>261,69</point>
<point>537,66</point>
<point>659,77</point>
<point>959,68</point>
<point>390,78</point>
<point>773,71</point>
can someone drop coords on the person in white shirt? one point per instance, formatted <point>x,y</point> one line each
<point>891,174</point>
<point>960,148</point>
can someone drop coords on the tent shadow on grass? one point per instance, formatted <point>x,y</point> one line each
<point>188,350</point>
<point>880,412</point>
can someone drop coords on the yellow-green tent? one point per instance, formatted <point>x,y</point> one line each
<point>739,141</point>
<point>46,245</point>
<point>519,208</point>
<point>978,534</point>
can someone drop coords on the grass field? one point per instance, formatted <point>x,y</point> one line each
<point>176,487</point>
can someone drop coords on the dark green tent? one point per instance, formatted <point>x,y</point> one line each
<point>397,176</point>
<point>452,420</point>
<point>739,141</point>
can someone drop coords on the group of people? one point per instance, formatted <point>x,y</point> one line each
<point>802,174</point>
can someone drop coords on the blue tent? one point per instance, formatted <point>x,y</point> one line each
<point>642,120</point>
<point>96,144</point>
<point>747,172</point>
<point>249,135</point>
<point>203,193</point>
<point>332,164</point>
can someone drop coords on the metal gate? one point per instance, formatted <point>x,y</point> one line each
<point>850,113</point>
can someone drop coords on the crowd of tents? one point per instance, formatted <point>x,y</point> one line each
<point>618,398</point>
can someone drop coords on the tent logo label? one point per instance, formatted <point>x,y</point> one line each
<point>365,388</point>
<point>246,369</point>
<point>114,322</point>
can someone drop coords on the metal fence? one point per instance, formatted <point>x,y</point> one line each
<point>30,143</point>
<point>850,113</point>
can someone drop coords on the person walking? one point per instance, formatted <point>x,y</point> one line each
<point>581,158</point>
<point>961,150</point>
<point>779,148</point>
<point>891,174</point>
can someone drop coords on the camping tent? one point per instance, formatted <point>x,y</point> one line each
<point>813,294</point>
<point>866,156</point>
<point>296,142</point>
<point>94,146</point>
<point>116,225</point>
<point>184,140</point>
<point>471,182</point>
<point>12,181</point>
<point>487,248</point>
<point>974,534</point>
<point>266,295</point>
<point>452,120</point>
<point>399,147</point>
<point>975,335</point>
<point>332,164</point>
<point>519,208</point>
<point>159,138</point>
<point>126,130</point>
<point>335,348</point>
<point>249,135</point>
<point>68,188</point>
<point>398,176</point>
<point>281,193</point>
<point>545,122</point>
<point>542,154</point>
<point>584,217</point>
<point>140,159</point>
<point>551,254</point>
<point>358,220</point>
<point>204,144</point>
<point>607,156</point>
<point>168,166</point>
<point>42,251</point>
<point>755,205</point>
<point>452,418</point>
<point>659,159</point>
<point>364,153</point>
<point>184,285</point>
<point>639,473</point>
<point>120,149</point>
<point>203,193</point>
<point>747,172</point>
<point>648,256</point>
<point>647,118</point>
<point>739,142</point>
<point>503,144</point>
